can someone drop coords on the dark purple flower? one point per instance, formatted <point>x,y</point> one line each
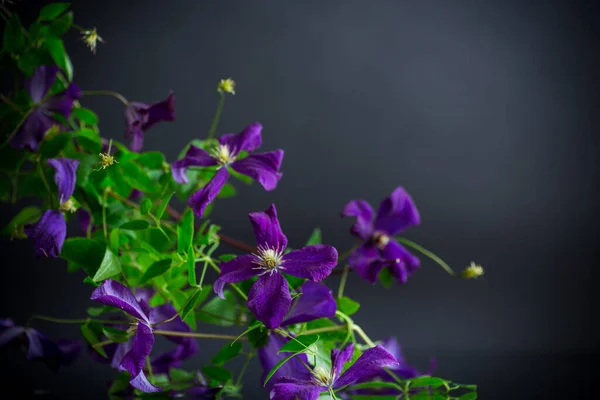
<point>141,117</point>
<point>131,356</point>
<point>263,167</point>
<point>315,302</point>
<point>321,380</point>
<point>379,250</point>
<point>50,231</point>
<point>269,298</point>
<point>40,119</point>
<point>39,347</point>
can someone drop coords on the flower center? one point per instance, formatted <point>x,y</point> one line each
<point>380,239</point>
<point>322,376</point>
<point>68,206</point>
<point>224,154</point>
<point>473,271</point>
<point>268,259</point>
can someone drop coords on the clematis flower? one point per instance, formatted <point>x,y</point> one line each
<point>396,213</point>
<point>403,370</point>
<point>39,347</point>
<point>50,231</point>
<point>40,119</point>
<point>131,356</point>
<point>141,117</point>
<point>269,298</point>
<point>263,167</point>
<point>322,380</point>
<point>315,302</point>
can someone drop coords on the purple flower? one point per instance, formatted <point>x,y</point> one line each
<point>141,117</point>
<point>50,231</point>
<point>131,356</point>
<point>40,119</point>
<point>39,347</point>
<point>396,213</point>
<point>315,302</point>
<point>263,167</point>
<point>269,298</point>
<point>322,380</point>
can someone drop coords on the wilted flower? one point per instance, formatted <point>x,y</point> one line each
<point>323,380</point>
<point>263,167</point>
<point>40,119</point>
<point>141,117</point>
<point>50,231</point>
<point>396,213</point>
<point>472,271</point>
<point>91,38</point>
<point>227,86</point>
<point>39,347</point>
<point>269,298</point>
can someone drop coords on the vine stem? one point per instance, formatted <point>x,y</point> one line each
<point>196,335</point>
<point>343,281</point>
<point>325,329</point>
<point>117,95</point>
<point>73,321</point>
<point>14,132</point>
<point>427,253</point>
<point>217,117</point>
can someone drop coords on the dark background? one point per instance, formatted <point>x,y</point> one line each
<point>485,111</point>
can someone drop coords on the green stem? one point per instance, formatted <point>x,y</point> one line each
<point>325,329</point>
<point>46,184</point>
<point>345,255</point>
<point>427,253</point>
<point>196,335</point>
<point>217,117</point>
<point>122,199</point>
<point>102,344</point>
<point>363,335</point>
<point>14,132</point>
<point>343,281</point>
<point>243,370</point>
<point>233,285</point>
<point>117,95</point>
<point>104,225</point>
<point>73,321</point>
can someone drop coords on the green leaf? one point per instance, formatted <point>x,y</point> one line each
<point>135,225</point>
<point>347,305</point>
<point>227,257</point>
<point>197,297</point>
<point>218,311</point>
<point>426,380</point>
<point>51,11</point>
<point>97,311</point>
<point>181,375</point>
<point>151,159</point>
<point>156,269</point>
<point>386,278</point>
<point>56,48</point>
<point>145,206</point>
<point>89,140</point>
<point>228,190</point>
<point>300,344</point>
<point>92,332</point>
<point>110,266</point>
<point>137,177</point>
<point>86,115</point>
<point>376,385</point>
<point>218,374</point>
<point>116,335</point>
<point>52,146</point>
<point>61,25</point>
<point>163,206</point>
<point>114,239</point>
<point>468,396</point>
<point>185,231</point>
<point>191,265</point>
<point>120,384</point>
<point>26,215</point>
<point>227,352</point>
<point>315,237</point>
<point>14,40</point>
<point>88,280</point>
<point>84,252</point>
<point>277,366</point>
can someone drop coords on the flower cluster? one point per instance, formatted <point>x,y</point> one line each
<point>153,271</point>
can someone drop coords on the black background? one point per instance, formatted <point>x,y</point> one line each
<point>485,111</point>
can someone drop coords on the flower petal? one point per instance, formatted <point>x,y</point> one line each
<point>269,299</point>
<point>8,332</point>
<point>237,270</point>
<point>141,382</point>
<point>63,103</point>
<point>363,228</point>
<point>315,302</point>
<point>172,359</point>
<point>368,364</point>
<point>362,261</point>
<point>48,233</point>
<point>339,358</point>
<point>194,156</point>
<point>295,389</point>
<point>403,263</point>
<point>203,197</point>
<point>64,176</point>
<point>165,312</point>
<point>136,115</point>
<point>137,139</point>
<point>32,131</point>
<point>135,359</point>
<point>115,294</point>
<point>69,350</point>
<point>267,230</point>
<point>396,213</point>
<point>249,139</point>
<point>41,81</point>
<point>263,168</point>
<point>160,111</point>
<point>313,262</point>
<point>39,346</point>
<point>268,357</point>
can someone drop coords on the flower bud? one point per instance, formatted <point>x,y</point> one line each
<point>472,271</point>
<point>227,86</point>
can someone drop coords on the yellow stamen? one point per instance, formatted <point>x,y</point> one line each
<point>227,86</point>
<point>472,271</point>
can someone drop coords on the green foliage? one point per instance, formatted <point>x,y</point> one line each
<point>110,266</point>
<point>347,305</point>
<point>227,352</point>
<point>315,237</point>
